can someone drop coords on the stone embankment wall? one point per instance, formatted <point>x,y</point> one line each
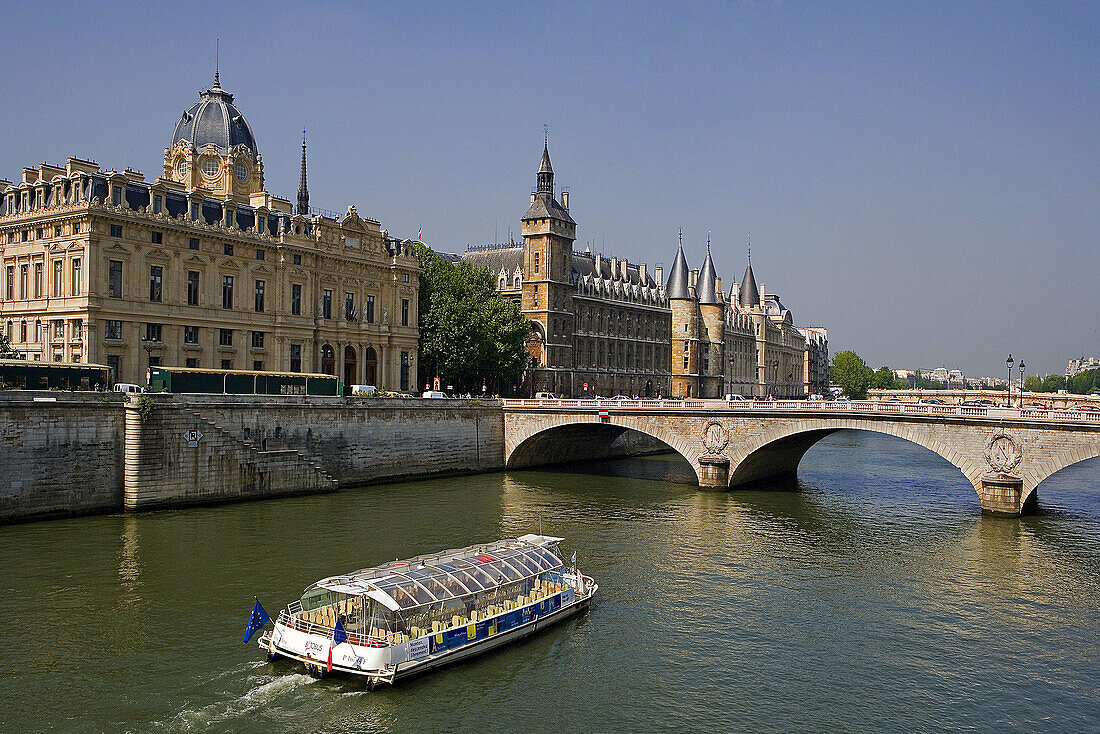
<point>263,447</point>
<point>60,454</point>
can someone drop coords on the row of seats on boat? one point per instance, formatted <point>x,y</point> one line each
<point>326,616</point>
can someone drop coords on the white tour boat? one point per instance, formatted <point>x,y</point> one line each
<point>407,617</point>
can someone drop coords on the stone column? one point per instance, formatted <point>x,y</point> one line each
<point>714,471</point>
<point>1003,495</point>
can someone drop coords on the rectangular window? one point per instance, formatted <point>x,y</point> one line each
<point>114,362</point>
<point>156,282</point>
<point>192,287</point>
<point>112,329</point>
<point>57,231</point>
<point>349,306</point>
<point>158,204</point>
<point>405,277</point>
<point>114,279</point>
<point>227,364</point>
<point>77,281</point>
<point>295,357</point>
<point>193,243</point>
<point>297,259</point>
<point>116,230</point>
<point>258,339</point>
<point>190,335</point>
<point>23,332</point>
<point>227,291</point>
<point>58,329</point>
<point>295,299</point>
<point>228,248</point>
<point>76,228</point>
<point>259,296</point>
<point>158,238</point>
<point>326,305</point>
<point>404,311</point>
<point>58,276</point>
<point>192,362</point>
<point>536,262</point>
<point>259,254</point>
<point>78,328</point>
<point>23,270</point>
<point>11,283</point>
<point>404,371</point>
<point>225,337</point>
<point>38,280</point>
<point>152,332</point>
<point>369,314</point>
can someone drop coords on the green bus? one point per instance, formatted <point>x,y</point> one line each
<point>241,382</point>
<point>25,374</point>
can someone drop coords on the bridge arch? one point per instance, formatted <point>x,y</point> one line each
<point>558,439</point>
<point>778,450</point>
<point>1034,474</point>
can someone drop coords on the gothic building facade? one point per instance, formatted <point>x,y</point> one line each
<point>604,326</point>
<point>202,267</point>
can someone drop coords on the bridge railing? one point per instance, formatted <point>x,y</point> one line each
<point>815,406</point>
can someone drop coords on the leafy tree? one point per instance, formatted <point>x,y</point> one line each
<point>901,385</point>
<point>1084,383</point>
<point>469,334</point>
<point>6,349</point>
<point>852,374</point>
<point>883,378</point>
<point>1054,383</point>
<point>1033,383</point>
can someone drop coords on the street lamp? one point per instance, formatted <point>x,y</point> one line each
<point>1021,383</point>
<point>148,345</point>
<point>1008,363</point>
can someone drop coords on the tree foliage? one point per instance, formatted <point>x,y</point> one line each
<point>1083,383</point>
<point>883,379</point>
<point>469,334</point>
<point>6,349</point>
<point>852,374</point>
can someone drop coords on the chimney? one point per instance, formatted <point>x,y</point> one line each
<point>658,275</point>
<point>693,280</point>
<point>599,265</point>
<point>642,276</point>
<point>614,268</point>
<point>718,287</point>
<point>624,264</point>
<point>532,197</point>
<point>565,200</point>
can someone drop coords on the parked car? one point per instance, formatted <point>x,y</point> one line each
<point>433,394</point>
<point>620,397</point>
<point>814,396</point>
<point>734,397</point>
<point>547,396</point>
<point>128,387</point>
<point>1087,409</point>
<point>931,401</point>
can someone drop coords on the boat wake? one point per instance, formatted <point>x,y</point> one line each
<point>210,717</point>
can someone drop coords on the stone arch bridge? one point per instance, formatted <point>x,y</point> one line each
<point>1004,452</point>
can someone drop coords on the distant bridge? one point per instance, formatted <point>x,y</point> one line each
<point>1004,452</point>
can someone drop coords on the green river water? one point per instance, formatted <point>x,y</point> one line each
<point>875,598</point>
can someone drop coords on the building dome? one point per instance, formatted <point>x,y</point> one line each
<point>213,120</point>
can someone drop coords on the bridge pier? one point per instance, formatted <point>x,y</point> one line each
<point>714,472</point>
<point>1001,495</point>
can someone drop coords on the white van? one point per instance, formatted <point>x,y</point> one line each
<point>546,396</point>
<point>734,397</point>
<point>128,387</point>
<point>433,394</point>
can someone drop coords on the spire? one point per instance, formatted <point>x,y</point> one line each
<point>705,288</point>
<point>749,292</point>
<point>546,171</point>
<point>217,61</point>
<point>303,190</point>
<point>677,288</point>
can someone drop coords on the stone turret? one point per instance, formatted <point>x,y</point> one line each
<point>685,327</point>
<point>712,332</point>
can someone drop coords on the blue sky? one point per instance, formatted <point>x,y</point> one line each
<point>922,179</point>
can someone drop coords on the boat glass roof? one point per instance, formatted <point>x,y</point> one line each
<point>453,573</point>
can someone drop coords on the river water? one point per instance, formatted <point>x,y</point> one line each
<point>873,598</point>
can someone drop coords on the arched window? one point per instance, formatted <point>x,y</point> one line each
<point>328,360</point>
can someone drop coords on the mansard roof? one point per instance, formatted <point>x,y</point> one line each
<point>494,258</point>
<point>584,263</point>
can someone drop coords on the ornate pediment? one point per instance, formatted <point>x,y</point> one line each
<point>352,221</point>
<point>228,264</point>
<point>262,269</point>
<point>116,249</point>
<point>157,254</point>
<point>195,260</point>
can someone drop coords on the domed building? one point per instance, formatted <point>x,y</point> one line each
<point>202,268</point>
<point>213,147</point>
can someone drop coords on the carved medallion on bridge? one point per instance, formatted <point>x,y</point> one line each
<point>1003,453</point>
<point>715,437</point>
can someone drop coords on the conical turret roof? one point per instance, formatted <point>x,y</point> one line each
<point>677,288</point>
<point>544,166</point>
<point>705,288</point>
<point>750,293</point>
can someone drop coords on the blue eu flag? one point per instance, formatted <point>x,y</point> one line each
<point>256,621</point>
<point>338,634</point>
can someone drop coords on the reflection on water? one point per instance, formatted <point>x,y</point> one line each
<point>874,598</point>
